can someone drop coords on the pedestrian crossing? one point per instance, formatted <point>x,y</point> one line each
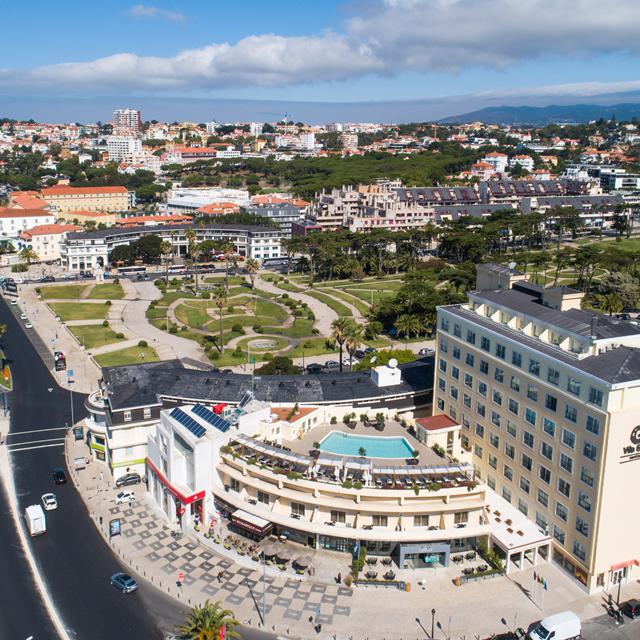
<point>36,439</point>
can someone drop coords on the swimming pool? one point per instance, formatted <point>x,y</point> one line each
<point>346,444</point>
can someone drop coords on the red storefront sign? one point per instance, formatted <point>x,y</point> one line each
<point>174,492</point>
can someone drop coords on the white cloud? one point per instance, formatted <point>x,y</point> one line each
<point>386,38</point>
<point>145,11</point>
<point>576,89</point>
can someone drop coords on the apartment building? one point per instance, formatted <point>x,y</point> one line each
<point>89,198</point>
<point>45,239</point>
<point>283,214</point>
<point>127,120</point>
<point>13,221</point>
<point>547,396</point>
<point>123,148</point>
<point>499,191</point>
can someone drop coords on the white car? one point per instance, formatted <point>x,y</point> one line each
<point>346,361</point>
<point>23,316</point>
<point>49,501</point>
<point>125,497</point>
<point>28,325</point>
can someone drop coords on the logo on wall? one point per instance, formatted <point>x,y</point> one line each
<point>635,435</point>
<point>632,452</point>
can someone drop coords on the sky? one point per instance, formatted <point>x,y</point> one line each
<point>318,51</point>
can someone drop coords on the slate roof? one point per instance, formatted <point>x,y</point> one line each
<point>147,383</point>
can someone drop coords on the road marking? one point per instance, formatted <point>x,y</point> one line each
<point>22,444</point>
<point>42,446</point>
<point>19,433</point>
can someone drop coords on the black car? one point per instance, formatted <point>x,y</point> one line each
<point>59,476</point>
<point>314,367</point>
<point>631,608</point>
<point>128,479</point>
<point>359,354</point>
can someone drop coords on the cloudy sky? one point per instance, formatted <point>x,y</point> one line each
<point>321,50</point>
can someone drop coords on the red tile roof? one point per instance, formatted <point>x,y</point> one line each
<point>68,191</point>
<point>49,229</point>
<point>23,213</point>
<point>435,423</point>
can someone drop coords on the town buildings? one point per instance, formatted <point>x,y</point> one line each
<point>127,120</point>
<point>14,221</point>
<point>45,240</point>
<point>88,198</point>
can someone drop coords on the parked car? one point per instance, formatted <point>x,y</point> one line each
<point>124,582</point>
<point>23,316</point>
<point>28,325</point>
<point>49,501</point>
<point>369,350</point>
<point>359,354</point>
<point>59,476</point>
<point>426,351</point>
<point>346,362</point>
<point>125,497</point>
<point>631,608</point>
<point>128,479</point>
<point>560,626</point>
<point>314,367</point>
<point>332,365</point>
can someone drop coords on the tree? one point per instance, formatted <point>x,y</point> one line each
<point>382,357</point>
<point>407,325</point>
<point>166,250</point>
<point>28,255</point>
<point>147,248</point>
<point>121,254</point>
<point>205,621</point>
<point>564,219</point>
<point>622,286</point>
<point>278,366</point>
<point>341,329</point>
<point>610,303</point>
<point>354,338</point>
<point>252,266</point>
<point>219,298</point>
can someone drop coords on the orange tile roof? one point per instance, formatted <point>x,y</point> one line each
<point>219,208</point>
<point>23,213</point>
<point>28,201</point>
<point>86,214</point>
<point>282,413</point>
<point>434,423</point>
<point>49,229</point>
<point>68,191</point>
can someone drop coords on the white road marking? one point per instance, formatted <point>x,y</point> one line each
<point>42,446</point>
<point>29,442</point>
<point>19,433</point>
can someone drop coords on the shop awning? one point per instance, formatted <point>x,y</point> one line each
<point>622,565</point>
<point>176,493</point>
<point>251,523</point>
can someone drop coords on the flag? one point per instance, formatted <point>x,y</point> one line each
<point>545,586</point>
<point>223,631</point>
<point>535,577</point>
<point>540,579</point>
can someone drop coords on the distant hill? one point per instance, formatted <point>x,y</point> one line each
<point>567,113</point>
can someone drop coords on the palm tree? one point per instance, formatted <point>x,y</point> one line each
<point>408,325</point>
<point>28,255</point>
<point>166,250</point>
<point>355,335</point>
<point>196,252</point>
<point>341,330</point>
<point>205,622</point>
<point>252,266</point>
<point>611,303</point>
<point>219,298</point>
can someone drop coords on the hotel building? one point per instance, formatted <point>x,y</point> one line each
<point>547,396</point>
<point>89,198</point>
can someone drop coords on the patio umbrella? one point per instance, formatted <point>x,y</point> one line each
<point>303,561</point>
<point>270,550</point>
<point>284,554</point>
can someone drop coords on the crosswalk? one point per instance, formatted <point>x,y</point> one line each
<point>37,439</point>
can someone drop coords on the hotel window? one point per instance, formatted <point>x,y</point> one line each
<point>550,402</point>
<point>456,330</point>
<point>595,396</point>
<point>534,367</point>
<point>480,409</point>
<point>444,324</point>
<point>573,386</point>
<point>515,383</point>
<point>263,497</point>
<point>501,351</point>
<point>491,481</point>
<point>584,500</point>
<point>456,353</point>
<point>543,498</point>
<point>516,358</point>
<point>493,461</point>
<point>509,450</point>
<point>523,506</point>
<point>558,534</point>
<point>511,429</point>
<point>442,365</point>
<point>561,511</point>
<point>440,404</point>
<point>485,344</point>
<point>564,487</point>
<point>494,440</point>
<point>569,438</point>
<point>497,397</point>
<point>234,485</point>
<point>453,392</point>
<point>525,485</point>
<point>530,416</point>
<point>541,521</point>
<point>482,389</point>
<point>544,474</point>
<point>297,509</point>
<point>442,385</point>
<point>471,337</point>
<point>579,551</point>
<point>468,380</point>
<point>528,439</point>
<point>461,517</point>
<point>338,516</point>
<point>506,493</point>
<point>546,450</point>
<point>444,347</point>
<point>532,393</point>
<point>549,427</point>
<point>526,461</point>
<point>477,450</point>
<point>470,359</point>
<point>593,425</point>
<point>419,521</point>
<point>587,476</point>
<point>582,526</point>
<point>455,373</point>
<point>571,413</point>
<point>466,400</point>
<point>590,451</point>
<point>508,472</point>
<point>484,367</point>
<point>380,521</point>
<point>127,416</point>
<point>146,412</point>
<point>495,418</point>
<point>553,376</point>
<point>566,463</point>
<point>513,406</point>
<point>465,420</point>
<point>498,375</point>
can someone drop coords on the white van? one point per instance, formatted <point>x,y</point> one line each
<point>36,522</point>
<point>561,626</point>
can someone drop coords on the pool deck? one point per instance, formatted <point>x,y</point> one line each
<point>391,429</point>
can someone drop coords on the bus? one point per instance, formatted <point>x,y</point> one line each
<point>176,269</point>
<point>131,271</point>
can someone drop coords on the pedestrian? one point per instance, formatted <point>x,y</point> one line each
<point>339,578</point>
<point>220,576</point>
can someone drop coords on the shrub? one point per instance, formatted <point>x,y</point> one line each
<point>286,280</point>
<point>120,335</point>
<point>297,313</point>
<point>215,355</point>
<point>347,484</point>
<point>38,290</point>
<point>333,420</point>
<point>357,484</point>
<point>108,303</point>
<point>143,343</point>
<point>159,283</point>
<point>285,296</point>
<point>105,323</point>
<point>116,281</point>
<point>231,308</point>
<point>348,581</point>
<point>173,329</point>
<point>257,328</point>
<point>19,268</point>
<point>153,303</point>
<point>314,331</point>
<point>237,328</point>
<point>205,295</point>
<point>238,353</point>
<point>268,356</point>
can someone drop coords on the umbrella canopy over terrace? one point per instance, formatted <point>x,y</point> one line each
<point>284,554</point>
<point>303,561</point>
<point>270,550</point>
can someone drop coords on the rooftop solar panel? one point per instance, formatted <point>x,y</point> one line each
<point>215,420</point>
<point>188,422</point>
<point>246,398</point>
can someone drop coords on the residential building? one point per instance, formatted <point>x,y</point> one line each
<point>92,217</point>
<point>547,396</point>
<point>619,181</point>
<point>123,148</point>
<point>526,162</point>
<point>14,221</point>
<point>188,201</point>
<point>500,191</point>
<point>127,120</point>
<point>497,160</point>
<point>89,198</point>
<point>45,240</point>
<point>284,215</point>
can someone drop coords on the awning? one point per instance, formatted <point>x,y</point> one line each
<point>622,565</point>
<point>184,499</point>
<point>251,523</point>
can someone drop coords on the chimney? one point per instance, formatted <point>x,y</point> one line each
<point>594,326</point>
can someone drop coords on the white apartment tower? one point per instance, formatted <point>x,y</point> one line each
<point>127,120</point>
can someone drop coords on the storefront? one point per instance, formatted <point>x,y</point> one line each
<point>423,554</point>
<point>251,526</point>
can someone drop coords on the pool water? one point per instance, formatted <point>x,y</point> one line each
<point>375,446</point>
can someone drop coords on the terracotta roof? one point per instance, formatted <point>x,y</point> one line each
<point>219,208</point>
<point>84,213</point>
<point>282,413</point>
<point>28,201</point>
<point>68,191</point>
<point>49,229</point>
<point>23,213</point>
<point>435,423</point>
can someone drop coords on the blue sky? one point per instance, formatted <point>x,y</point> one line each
<point>322,50</point>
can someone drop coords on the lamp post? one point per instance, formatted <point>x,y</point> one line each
<point>433,622</point>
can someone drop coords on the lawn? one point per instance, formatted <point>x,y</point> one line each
<point>287,286</point>
<point>107,291</point>
<point>62,292</point>
<point>350,299</point>
<point>280,343</point>
<point>301,328</point>
<point>310,347</point>
<point>131,355</point>
<point>340,308</point>
<point>370,297</point>
<point>79,310</point>
<point>233,280</point>
<point>94,335</point>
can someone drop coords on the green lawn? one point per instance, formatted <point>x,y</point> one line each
<point>62,292</point>
<point>94,335</point>
<point>79,310</point>
<point>310,347</point>
<point>131,355</point>
<point>301,328</point>
<point>372,296</point>
<point>193,314</point>
<point>287,286</point>
<point>351,300</point>
<point>340,308</point>
<point>233,280</point>
<point>107,291</point>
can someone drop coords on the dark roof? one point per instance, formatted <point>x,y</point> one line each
<point>523,187</point>
<point>438,195</point>
<point>134,231</point>
<point>146,384</point>
<point>577,321</point>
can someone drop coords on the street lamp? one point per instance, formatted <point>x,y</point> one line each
<point>433,622</point>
